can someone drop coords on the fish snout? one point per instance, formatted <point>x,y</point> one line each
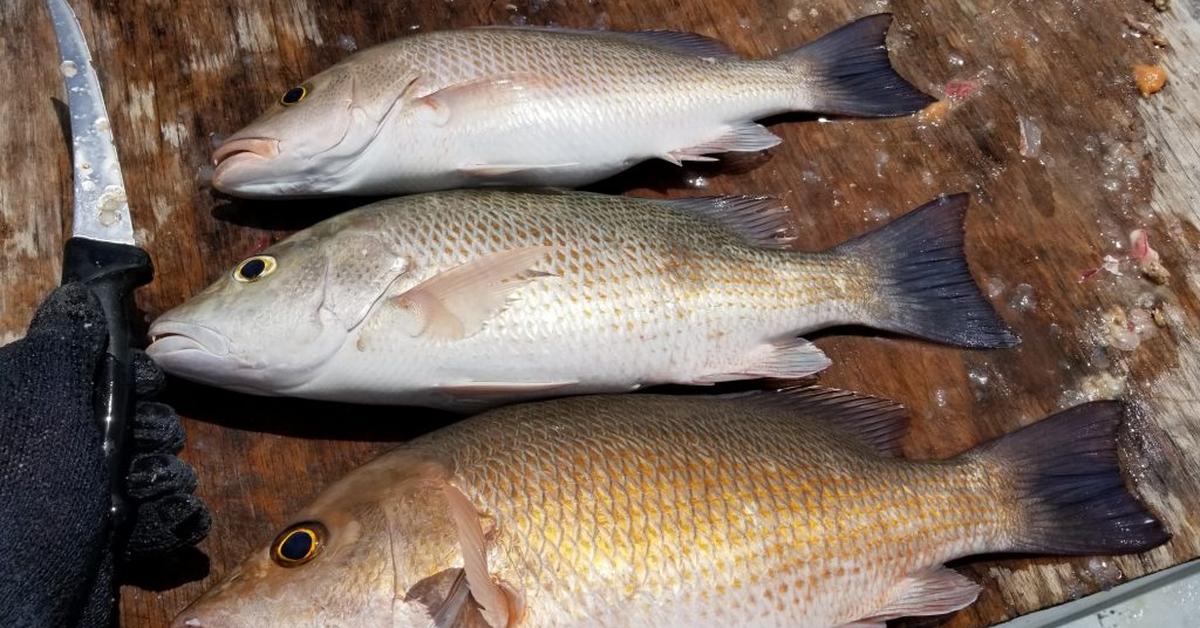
<point>236,158</point>
<point>172,337</point>
<point>261,147</point>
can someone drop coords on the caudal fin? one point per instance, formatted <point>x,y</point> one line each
<point>926,288</point>
<point>852,75</point>
<point>1067,475</point>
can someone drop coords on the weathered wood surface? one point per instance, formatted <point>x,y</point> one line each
<point>175,73</point>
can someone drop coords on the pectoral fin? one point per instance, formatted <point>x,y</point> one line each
<point>499,604</point>
<point>490,92</point>
<point>456,303</point>
<point>450,612</point>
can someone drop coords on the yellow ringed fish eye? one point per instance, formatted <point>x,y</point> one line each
<point>293,95</point>
<point>254,268</point>
<point>298,544</point>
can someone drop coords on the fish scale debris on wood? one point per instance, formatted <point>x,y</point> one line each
<point>476,297</point>
<point>544,107</point>
<point>785,508</point>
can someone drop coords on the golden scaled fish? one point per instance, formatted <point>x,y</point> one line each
<point>544,106</point>
<point>785,508</point>
<point>465,299</point>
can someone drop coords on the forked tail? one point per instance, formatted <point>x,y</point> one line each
<point>925,288</point>
<point>848,72</point>
<point>1067,475</point>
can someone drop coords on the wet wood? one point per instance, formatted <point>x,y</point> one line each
<point>177,74</point>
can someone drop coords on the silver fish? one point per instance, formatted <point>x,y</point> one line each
<point>469,298</point>
<point>773,509</point>
<point>544,106</point>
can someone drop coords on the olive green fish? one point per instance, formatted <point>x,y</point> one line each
<point>782,508</point>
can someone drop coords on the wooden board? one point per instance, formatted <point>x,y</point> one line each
<point>177,74</point>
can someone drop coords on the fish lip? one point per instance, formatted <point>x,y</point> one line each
<point>244,152</point>
<point>260,147</point>
<point>170,337</point>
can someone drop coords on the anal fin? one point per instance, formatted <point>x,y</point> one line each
<point>500,170</point>
<point>791,358</point>
<point>932,591</point>
<point>502,389</point>
<point>746,137</point>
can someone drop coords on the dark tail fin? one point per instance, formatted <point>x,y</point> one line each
<point>1067,476</point>
<point>924,281</point>
<point>852,74</point>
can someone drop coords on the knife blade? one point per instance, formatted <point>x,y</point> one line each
<point>101,206</point>
<point>101,252</point>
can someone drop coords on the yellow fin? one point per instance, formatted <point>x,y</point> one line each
<point>454,304</point>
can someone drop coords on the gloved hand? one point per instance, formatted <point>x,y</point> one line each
<point>58,548</point>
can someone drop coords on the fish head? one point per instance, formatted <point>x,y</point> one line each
<point>310,140</point>
<point>375,549</point>
<point>270,324</point>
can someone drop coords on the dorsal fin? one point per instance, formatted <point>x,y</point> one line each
<point>760,220</point>
<point>673,41</point>
<point>877,423</point>
<point>678,41</point>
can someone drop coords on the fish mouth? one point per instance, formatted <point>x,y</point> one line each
<point>172,337</point>
<point>260,147</point>
<point>241,151</point>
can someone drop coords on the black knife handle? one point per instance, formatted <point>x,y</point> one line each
<point>112,271</point>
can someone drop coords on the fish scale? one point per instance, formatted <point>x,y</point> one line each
<point>467,299</point>
<point>680,284</point>
<point>773,508</point>
<point>545,106</point>
<point>762,518</point>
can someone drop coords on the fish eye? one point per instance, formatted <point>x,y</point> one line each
<point>298,544</point>
<point>254,268</point>
<point>293,95</point>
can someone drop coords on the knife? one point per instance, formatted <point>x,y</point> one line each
<point>101,252</point>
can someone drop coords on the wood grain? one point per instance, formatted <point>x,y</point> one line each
<point>176,74</point>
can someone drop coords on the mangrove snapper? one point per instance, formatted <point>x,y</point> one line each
<point>544,106</point>
<point>772,509</point>
<point>468,298</point>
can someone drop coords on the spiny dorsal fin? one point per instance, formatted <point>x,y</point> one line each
<point>877,423</point>
<point>673,41</point>
<point>760,220</point>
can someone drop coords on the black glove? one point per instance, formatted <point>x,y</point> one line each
<point>58,547</point>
